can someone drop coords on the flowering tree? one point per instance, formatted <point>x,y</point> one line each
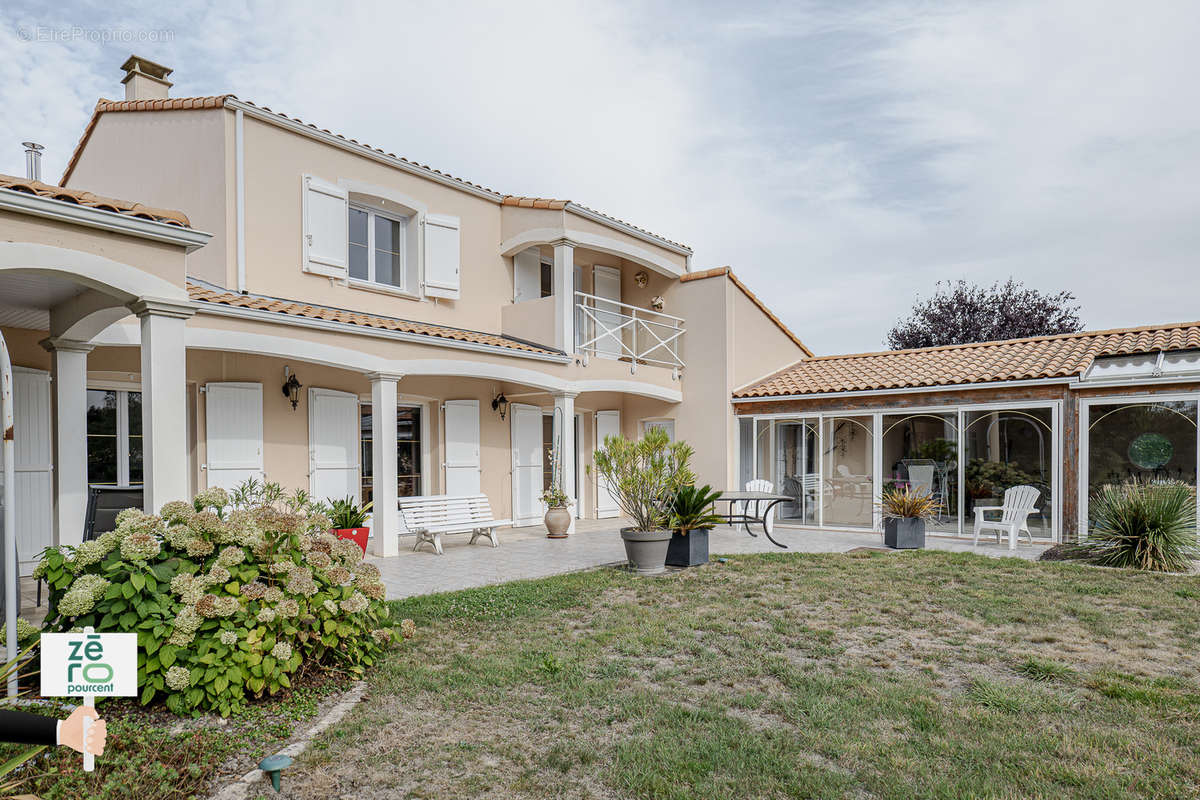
<point>961,313</point>
<point>228,602</point>
<point>644,475</point>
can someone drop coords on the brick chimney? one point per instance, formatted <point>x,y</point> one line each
<point>145,80</point>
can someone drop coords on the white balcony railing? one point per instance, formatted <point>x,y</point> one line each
<point>609,329</point>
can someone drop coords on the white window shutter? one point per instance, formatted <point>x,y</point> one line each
<point>443,254</point>
<point>527,275</point>
<point>326,238</point>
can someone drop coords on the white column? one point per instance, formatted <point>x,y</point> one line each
<point>164,400</point>
<point>385,519</point>
<point>564,296</point>
<point>68,371</point>
<point>564,417</point>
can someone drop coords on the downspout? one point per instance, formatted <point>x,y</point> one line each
<point>10,513</point>
<point>239,170</point>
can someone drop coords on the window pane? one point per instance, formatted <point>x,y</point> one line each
<point>1009,448</point>
<point>1141,441</point>
<point>386,234</point>
<point>101,411</point>
<point>358,227</point>
<point>102,459</point>
<point>847,491</point>
<point>547,279</point>
<point>365,422</point>
<point>358,262</point>
<point>388,268</point>
<point>135,413</point>
<point>920,451</point>
<point>135,459</point>
<point>796,469</point>
<point>408,451</point>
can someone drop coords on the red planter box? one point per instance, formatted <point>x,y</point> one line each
<point>357,535</point>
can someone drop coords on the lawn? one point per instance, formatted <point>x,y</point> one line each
<point>920,674</point>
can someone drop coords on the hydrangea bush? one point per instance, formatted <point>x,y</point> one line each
<point>229,599</point>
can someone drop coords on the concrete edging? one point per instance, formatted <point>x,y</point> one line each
<point>238,789</point>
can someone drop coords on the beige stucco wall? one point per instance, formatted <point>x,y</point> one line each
<point>175,160</point>
<point>757,344</point>
<point>164,261</point>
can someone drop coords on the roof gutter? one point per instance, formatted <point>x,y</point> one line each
<point>60,211</point>
<point>956,387</point>
<point>220,310</point>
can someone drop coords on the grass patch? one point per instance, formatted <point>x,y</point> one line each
<point>923,674</point>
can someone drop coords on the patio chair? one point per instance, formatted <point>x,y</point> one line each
<point>1019,503</point>
<point>755,507</point>
<point>104,504</point>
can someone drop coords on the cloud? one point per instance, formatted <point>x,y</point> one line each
<point>842,157</point>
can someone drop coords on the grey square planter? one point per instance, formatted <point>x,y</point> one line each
<point>904,533</point>
<point>688,551</point>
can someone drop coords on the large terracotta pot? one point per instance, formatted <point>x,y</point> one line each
<point>357,535</point>
<point>558,520</point>
<point>647,550</point>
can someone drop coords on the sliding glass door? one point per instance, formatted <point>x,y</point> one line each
<point>1007,448</point>
<point>847,448</point>
<point>797,469</point>
<point>920,452</point>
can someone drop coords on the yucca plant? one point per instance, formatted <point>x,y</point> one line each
<point>908,504</point>
<point>345,514</point>
<point>692,509</point>
<point>1150,526</point>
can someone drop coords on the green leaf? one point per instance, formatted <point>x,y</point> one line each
<point>138,581</point>
<point>167,655</point>
<point>127,590</point>
<point>147,694</point>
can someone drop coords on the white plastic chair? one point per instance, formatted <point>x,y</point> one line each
<point>757,485</point>
<point>1019,503</point>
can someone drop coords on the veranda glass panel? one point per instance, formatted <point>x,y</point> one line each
<point>920,451</point>
<point>1008,448</point>
<point>745,452</point>
<point>797,471</point>
<point>1141,441</point>
<point>763,441</point>
<point>847,455</point>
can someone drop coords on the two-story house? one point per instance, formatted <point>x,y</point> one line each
<point>344,320</point>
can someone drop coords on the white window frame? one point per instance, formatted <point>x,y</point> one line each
<point>369,281</point>
<point>659,422</point>
<point>1083,434</point>
<point>959,410</point>
<point>122,436</point>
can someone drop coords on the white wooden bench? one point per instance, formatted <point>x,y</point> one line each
<point>432,515</point>
<point>1019,503</point>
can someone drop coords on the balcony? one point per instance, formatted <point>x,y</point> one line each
<point>610,329</point>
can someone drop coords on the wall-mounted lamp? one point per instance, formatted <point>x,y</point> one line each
<point>500,403</point>
<point>641,279</point>
<point>291,387</point>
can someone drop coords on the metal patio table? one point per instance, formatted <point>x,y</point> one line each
<point>760,499</point>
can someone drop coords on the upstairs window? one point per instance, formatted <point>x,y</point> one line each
<point>378,244</point>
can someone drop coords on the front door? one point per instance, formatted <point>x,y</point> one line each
<point>608,423</point>
<point>333,445</point>
<point>462,447</point>
<point>32,481</point>
<point>233,424</point>
<point>527,464</point>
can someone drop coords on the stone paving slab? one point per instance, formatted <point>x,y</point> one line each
<point>526,553</point>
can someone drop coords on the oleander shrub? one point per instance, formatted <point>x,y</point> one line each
<point>230,600</point>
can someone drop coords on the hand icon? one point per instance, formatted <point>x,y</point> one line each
<point>71,733</point>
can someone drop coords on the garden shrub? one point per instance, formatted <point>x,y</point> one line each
<point>229,600</point>
<point>1150,526</point>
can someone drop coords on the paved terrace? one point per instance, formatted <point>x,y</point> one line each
<point>527,553</point>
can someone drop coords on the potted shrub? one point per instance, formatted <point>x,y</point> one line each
<point>349,521</point>
<point>905,513</point>
<point>558,512</point>
<point>692,518</point>
<point>643,476</point>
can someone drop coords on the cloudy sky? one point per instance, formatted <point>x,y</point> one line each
<point>842,157</point>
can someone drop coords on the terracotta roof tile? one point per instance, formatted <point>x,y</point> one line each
<point>218,101</point>
<point>203,293</point>
<point>81,197</point>
<point>717,272</point>
<point>1039,357</point>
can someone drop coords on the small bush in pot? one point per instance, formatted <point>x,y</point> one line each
<point>644,476</point>
<point>691,519</point>
<point>558,511</point>
<point>1150,526</point>
<point>905,513</point>
<point>349,520</point>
